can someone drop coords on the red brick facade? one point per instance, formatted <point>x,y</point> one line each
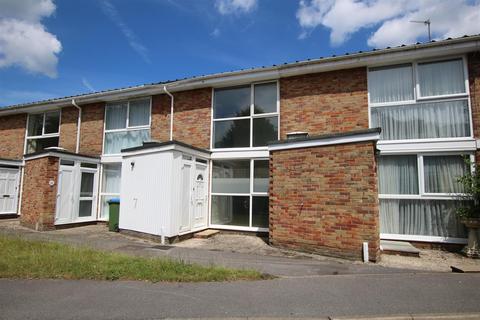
<point>68,129</point>
<point>160,118</point>
<point>324,200</point>
<point>323,103</point>
<point>39,197</point>
<point>474,82</point>
<point>91,132</point>
<point>12,136</point>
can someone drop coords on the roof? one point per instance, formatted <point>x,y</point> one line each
<point>155,144</point>
<point>202,79</point>
<point>372,134</point>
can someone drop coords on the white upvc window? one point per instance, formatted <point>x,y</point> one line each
<point>43,131</point>
<point>245,117</point>
<point>240,194</point>
<point>426,100</point>
<point>110,187</point>
<point>127,124</point>
<point>419,194</point>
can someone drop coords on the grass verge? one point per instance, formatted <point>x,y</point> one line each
<point>21,258</point>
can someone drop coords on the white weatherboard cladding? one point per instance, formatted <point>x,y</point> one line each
<point>146,193</point>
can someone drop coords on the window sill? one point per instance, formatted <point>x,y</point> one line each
<point>465,144</point>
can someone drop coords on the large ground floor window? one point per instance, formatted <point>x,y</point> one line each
<point>419,194</point>
<point>240,193</point>
<point>111,174</point>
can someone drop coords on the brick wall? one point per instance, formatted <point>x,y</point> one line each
<point>474,81</point>
<point>323,103</point>
<point>324,200</point>
<point>160,117</point>
<point>39,198</point>
<point>68,129</point>
<point>91,129</point>
<point>12,136</point>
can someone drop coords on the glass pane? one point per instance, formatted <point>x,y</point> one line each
<point>260,175</point>
<point>398,175</point>
<point>260,212</point>
<point>52,121</point>
<point>440,78</point>
<point>85,208</point>
<point>104,206</point>
<point>88,165</point>
<point>231,176</point>
<point>111,178</point>
<point>86,184</point>
<point>232,102</point>
<point>264,130</point>
<point>116,141</point>
<point>442,172</point>
<point>35,124</point>
<point>116,116</point>
<point>139,113</point>
<point>67,162</point>
<point>231,210</point>
<point>390,84</point>
<point>231,133</point>
<point>37,145</point>
<point>265,98</point>
<point>420,217</point>
<point>445,119</point>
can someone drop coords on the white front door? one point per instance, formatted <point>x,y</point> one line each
<point>200,195</point>
<point>76,193</point>
<point>65,195</point>
<point>8,190</point>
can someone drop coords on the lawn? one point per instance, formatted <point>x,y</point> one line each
<point>21,258</point>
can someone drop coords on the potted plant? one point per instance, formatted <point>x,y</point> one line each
<point>469,212</point>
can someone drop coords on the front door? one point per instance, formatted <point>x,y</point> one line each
<point>65,195</point>
<point>8,190</point>
<point>200,195</point>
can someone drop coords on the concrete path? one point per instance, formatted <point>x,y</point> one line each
<point>319,297</point>
<point>97,236</point>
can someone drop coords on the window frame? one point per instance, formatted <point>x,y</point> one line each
<point>101,194</point>
<point>419,100</point>
<point>250,117</point>
<point>127,127</point>
<point>250,194</point>
<point>43,135</point>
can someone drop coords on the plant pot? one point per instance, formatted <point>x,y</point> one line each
<point>472,249</point>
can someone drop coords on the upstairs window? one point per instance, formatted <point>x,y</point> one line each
<point>127,124</point>
<point>420,100</point>
<point>245,116</point>
<point>42,131</point>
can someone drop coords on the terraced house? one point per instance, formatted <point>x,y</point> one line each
<point>325,154</point>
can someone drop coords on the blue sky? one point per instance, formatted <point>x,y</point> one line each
<point>79,46</point>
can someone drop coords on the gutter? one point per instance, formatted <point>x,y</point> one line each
<point>79,122</point>
<point>172,99</point>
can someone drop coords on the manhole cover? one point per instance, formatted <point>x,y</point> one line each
<point>162,247</point>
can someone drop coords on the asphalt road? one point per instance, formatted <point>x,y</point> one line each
<point>319,296</point>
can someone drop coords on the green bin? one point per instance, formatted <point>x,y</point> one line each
<point>113,212</point>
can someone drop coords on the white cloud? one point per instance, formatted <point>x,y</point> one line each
<point>225,7</point>
<point>215,33</point>
<point>112,13</point>
<point>389,19</point>
<point>24,40</point>
<point>88,85</point>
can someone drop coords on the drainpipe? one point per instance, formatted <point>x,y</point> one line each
<point>171,111</point>
<point>77,147</point>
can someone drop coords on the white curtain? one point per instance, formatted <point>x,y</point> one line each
<point>422,121</point>
<point>116,116</point>
<point>442,172</point>
<point>420,217</point>
<point>390,84</point>
<point>116,141</point>
<point>398,175</point>
<point>111,178</point>
<point>440,78</point>
<point>139,113</point>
